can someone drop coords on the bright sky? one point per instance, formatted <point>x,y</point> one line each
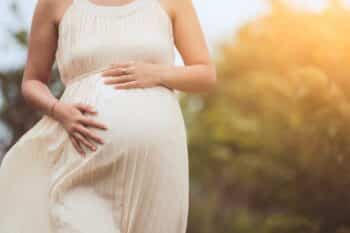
<point>219,19</point>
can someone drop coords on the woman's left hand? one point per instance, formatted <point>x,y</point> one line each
<point>133,75</point>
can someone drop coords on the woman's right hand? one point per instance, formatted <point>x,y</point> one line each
<point>72,118</point>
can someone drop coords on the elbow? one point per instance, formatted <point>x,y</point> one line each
<point>211,77</point>
<point>24,87</point>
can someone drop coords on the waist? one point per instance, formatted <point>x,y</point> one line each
<point>90,83</point>
<point>82,76</point>
<point>71,80</point>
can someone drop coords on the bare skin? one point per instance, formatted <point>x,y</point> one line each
<point>197,75</point>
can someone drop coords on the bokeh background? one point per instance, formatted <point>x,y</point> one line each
<point>269,147</point>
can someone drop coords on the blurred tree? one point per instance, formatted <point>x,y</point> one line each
<point>269,147</point>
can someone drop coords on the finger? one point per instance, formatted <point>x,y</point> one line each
<point>112,72</point>
<point>122,64</point>
<point>86,108</point>
<point>85,141</point>
<point>119,71</point>
<point>120,79</point>
<point>128,85</point>
<point>117,68</point>
<point>89,134</point>
<point>77,145</point>
<point>90,122</point>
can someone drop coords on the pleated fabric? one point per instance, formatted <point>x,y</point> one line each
<point>137,182</point>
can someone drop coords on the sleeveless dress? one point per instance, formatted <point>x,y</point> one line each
<point>137,181</point>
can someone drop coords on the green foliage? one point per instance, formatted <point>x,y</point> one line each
<point>21,37</point>
<point>269,146</point>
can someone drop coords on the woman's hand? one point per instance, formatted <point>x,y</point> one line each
<point>134,75</point>
<point>72,118</point>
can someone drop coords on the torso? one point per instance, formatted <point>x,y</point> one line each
<point>91,36</point>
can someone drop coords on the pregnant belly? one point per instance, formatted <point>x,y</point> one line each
<point>134,117</point>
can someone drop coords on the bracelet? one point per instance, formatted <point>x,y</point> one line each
<point>52,108</point>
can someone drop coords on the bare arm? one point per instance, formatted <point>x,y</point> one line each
<point>37,73</point>
<point>199,73</point>
<point>40,58</point>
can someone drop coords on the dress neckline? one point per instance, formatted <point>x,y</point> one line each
<point>123,9</point>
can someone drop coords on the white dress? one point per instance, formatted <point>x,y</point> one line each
<point>137,182</point>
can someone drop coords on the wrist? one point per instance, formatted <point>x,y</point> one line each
<point>50,112</point>
<point>55,110</point>
<point>165,74</point>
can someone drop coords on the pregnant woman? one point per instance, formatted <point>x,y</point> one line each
<point>110,155</point>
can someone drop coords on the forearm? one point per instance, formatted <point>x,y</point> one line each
<point>194,78</point>
<point>38,95</point>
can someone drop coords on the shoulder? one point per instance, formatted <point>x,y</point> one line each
<point>47,6</point>
<point>173,7</point>
<point>176,7</point>
<point>44,13</point>
<point>46,10</point>
<point>52,10</point>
